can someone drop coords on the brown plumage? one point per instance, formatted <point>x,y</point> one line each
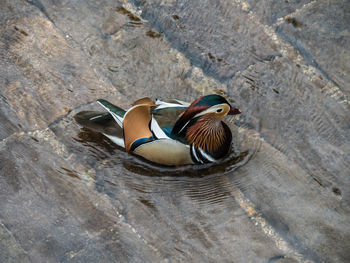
<point>136,124</point>
<point>208,133</point>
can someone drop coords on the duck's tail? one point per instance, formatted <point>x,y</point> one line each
<point>102,122</point>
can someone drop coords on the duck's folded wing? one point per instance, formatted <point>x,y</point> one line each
<point>136,124</point>
<point>171,103</point>
<point>116,112</point>
<point>167,117</point>
<point>102,122</point>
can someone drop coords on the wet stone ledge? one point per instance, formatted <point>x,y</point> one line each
<point>319,27</point>
<point>53,216</point>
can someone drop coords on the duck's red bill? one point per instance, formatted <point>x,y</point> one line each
<point>234,111</point>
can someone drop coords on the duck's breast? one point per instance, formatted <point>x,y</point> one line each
<point>166,152</point>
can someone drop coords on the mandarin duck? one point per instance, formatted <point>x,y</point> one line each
<point>169,132</point>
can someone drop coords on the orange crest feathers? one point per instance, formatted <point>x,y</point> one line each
<point>208,133</point>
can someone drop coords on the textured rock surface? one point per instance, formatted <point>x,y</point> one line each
<point>69,195</point>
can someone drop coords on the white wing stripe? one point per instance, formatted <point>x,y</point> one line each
<point>118,119</point>
<point>184,127</point>
<point>179,104</point>
<point>169,105</point>
<point>193,150</point>
<point>95,117</point>
<point>116,140</point>
<point>158,132</point>
<point>206,156</point>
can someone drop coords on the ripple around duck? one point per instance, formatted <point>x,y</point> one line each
<point>204,184</point>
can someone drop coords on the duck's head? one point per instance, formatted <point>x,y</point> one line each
<point>213,104</point>
<point>211,107</point>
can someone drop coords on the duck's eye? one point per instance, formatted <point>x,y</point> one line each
<point>219,110</point>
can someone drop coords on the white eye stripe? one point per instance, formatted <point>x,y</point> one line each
<point>212,109</point>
